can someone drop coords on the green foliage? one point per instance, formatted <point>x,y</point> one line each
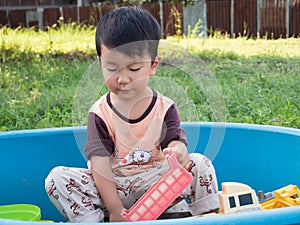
<point>195,33</point>
<point>36,90</point>
<point>261,89</point>
<point>40,73</point>
<point>176,15</point>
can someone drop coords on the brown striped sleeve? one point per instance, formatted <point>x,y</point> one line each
<point>171,128</point>
<point>98,139</point>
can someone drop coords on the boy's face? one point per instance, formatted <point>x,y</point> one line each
<point>125,76</point>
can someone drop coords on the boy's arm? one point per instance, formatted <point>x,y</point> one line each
<point>174,137</point>
<point>106,186</point>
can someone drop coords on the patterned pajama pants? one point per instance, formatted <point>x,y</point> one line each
<point>73,191</point>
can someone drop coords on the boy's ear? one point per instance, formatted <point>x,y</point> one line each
<point>155,65</point>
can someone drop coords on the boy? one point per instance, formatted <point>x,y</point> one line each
<point>131,129</point>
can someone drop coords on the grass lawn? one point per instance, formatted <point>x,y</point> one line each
<point>43,78</point>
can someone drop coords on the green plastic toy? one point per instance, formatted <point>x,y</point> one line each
<point>26,212</point>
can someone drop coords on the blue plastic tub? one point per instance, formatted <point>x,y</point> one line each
<point>264,157</point>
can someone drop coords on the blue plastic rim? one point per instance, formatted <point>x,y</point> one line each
<point>264,157</point>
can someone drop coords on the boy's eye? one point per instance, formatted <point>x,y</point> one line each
<point>135,69</point>
<point>111,69</point>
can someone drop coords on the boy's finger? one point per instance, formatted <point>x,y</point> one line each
<point>167,151</point>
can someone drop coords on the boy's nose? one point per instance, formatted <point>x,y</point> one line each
<point>122,78</point>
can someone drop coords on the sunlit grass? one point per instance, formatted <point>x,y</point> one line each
<point>40,72</point>
<point>66,38</point>
<point>243,46</point>
<point>71,37</point>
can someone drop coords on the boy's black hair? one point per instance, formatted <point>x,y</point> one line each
<point>125,25</point>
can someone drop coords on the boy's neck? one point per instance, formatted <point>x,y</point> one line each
<point>133,108</point>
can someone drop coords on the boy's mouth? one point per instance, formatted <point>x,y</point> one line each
<point>124,91</point>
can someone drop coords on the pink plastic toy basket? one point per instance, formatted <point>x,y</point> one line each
<point>161,195</point>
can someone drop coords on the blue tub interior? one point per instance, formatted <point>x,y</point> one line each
<point>264,157</point>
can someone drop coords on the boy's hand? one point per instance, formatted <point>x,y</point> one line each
<point>115,216</point>
<point>182,153</point>
<point>168,151</point>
